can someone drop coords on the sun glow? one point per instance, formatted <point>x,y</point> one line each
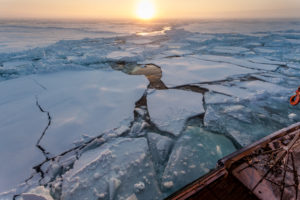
<point>145,10</point>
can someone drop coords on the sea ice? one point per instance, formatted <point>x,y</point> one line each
<point>241,62</point>
<point>160,147</point>
<point>38,193</point>
<point>264,60</point>
<point>87,103</point>
<point>250,69</point>
<point>169,109</point>
<point>79,103</point>
<point>195,153</point>
<point>230,50</point>
<point>245,27</point>
<point>21,125</point>
<point>119,55</point>
<point>122,171</point>
<point>250,120</point>
<point>188,70</point>
<point>247,89</point>
<point>23,35</point>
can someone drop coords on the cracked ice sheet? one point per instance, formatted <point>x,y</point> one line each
<point>251,115</point>
<point>113,171</point>
<point>269,66</point>
<point>87,103</point>
<point>187,70</point>
<point>21,125</point>
<point>250,121</point>
<point>247,90</point>
<point>169,109</point>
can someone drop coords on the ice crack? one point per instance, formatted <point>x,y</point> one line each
<point>39,84</point>
<point>232,63</point>
<point>46,154</point>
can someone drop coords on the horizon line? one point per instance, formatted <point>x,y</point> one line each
<point>154,19</point>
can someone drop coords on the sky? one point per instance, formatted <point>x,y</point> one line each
<point>164,9</point>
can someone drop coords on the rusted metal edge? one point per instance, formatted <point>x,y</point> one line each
<point>227,161</point>
<point>196,186</point>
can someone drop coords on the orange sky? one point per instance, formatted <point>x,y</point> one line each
<point>164,8</point>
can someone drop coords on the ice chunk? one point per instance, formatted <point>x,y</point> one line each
<point>120,170</point>
<point>118,55</point>
<point>168,184</point>
<point>169,109</point>
<point>160,147</point>
<point>174,53</point>
<point>187,70</point>
<point>132,197</point>
<point>140,186</point>
<point>38,193</point>
<point>292,115</point>
<point>194,154</point>
<point>137,128</point>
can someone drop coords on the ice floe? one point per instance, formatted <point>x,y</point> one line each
<point>188,70</point>
<point>87,103</point>
<point>169,109</point>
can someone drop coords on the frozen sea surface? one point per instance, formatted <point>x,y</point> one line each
<point>44,118</point>
<point>126,110</point>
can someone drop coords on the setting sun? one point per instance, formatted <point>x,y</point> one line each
<point>145,9</point>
